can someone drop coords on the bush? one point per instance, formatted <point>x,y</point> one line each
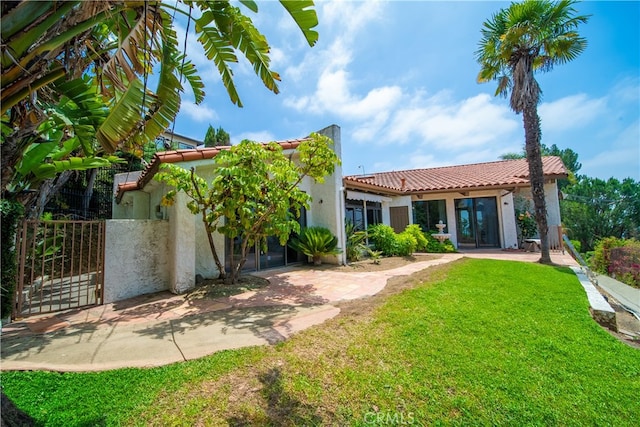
<point>10,214</point>
<point>316,242</point>
<point>577,245</point>
<point>383,238</point>
<point>355,242</point>
<point>421,240</point>
<point>405,244</point>
<point>411,239</point>
<point>625,263</point>
<point>619,258</point>
<point>600,260</point>
<point>434,246</point>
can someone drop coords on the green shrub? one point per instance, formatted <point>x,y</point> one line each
<point>355,246</point>
<point>316,242</point>
<point>434,246</point>
<point>411,239</point>
<point>421,239</point>
<point>624,263</point>
<point>405,244</point>
<point>10,214</point>
<point>577,245</point>
<point>383,238</point>
<point>600,261</point>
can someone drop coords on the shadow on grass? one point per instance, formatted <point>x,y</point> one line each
<point>13,416</point>
<point>282,409</point>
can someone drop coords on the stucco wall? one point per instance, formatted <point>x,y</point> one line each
<point>327,206</point>
<point>508,217</point>
<point>182,246</point>
<point>551,199</point>
<point>136,258</point>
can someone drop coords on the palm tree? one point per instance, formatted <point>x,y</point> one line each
<point>518,41</point>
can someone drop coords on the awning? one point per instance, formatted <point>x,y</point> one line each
<point>355,195</point>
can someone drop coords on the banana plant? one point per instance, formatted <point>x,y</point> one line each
<point>116,45</point>
<point>67,140</point>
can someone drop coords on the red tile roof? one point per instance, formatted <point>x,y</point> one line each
<point>505,173</point>
<point>178,156</point>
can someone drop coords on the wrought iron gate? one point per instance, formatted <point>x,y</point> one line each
<point>60,266</point>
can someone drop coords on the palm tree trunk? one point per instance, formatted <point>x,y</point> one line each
<point>536,176</point>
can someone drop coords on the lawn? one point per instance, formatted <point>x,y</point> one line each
<point>474,342</point>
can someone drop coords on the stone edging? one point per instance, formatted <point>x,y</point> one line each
<point>600,309</point>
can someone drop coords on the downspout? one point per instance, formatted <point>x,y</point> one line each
<point>342,225</point>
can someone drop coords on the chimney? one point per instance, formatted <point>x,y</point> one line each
<point>404,182</point>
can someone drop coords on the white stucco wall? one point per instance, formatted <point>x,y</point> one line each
<point>327,205</point>
<point>508,218</point>
<point>182,246</point>
<point>136,258</point>
<point>553,203</point>
<point>551,200</point>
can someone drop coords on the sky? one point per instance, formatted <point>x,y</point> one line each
<point>399,78</point>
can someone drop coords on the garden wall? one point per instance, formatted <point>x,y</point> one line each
<point>136,258</point>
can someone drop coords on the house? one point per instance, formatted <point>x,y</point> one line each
<point>169,139</point>
<point>172,247</point>
<point>477,202</point>
<point>150,247</point>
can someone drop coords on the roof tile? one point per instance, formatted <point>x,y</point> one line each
<point>177,156</point>
<point>480,175</point>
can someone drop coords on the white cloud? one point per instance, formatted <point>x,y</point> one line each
<point>570,112</point>
<point>349,17</point>
<point>198,113</point>
<point>620,159</point>
<point>443,123</point>
<point>263,136</point>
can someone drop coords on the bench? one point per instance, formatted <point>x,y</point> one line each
<point>531,245</point>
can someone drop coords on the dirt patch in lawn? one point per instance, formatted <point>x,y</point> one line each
<point>387,263</point>
<point>220,288</point>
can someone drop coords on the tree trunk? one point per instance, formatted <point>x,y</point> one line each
<point>88,192</point>
<point>536,176</point>
<point>49,188</point>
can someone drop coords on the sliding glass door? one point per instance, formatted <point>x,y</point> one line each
<point>477,222</point>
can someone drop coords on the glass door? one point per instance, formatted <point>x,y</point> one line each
<point>465,224</point>
<point>486,222</point>
<point>477,222</point>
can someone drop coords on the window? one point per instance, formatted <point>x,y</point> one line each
<point>428,213</point>
<point>374,213</point>
<point>354,211</point>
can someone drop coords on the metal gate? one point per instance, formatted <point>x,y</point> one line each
<point>60,266</point>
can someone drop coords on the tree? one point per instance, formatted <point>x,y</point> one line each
<point>75,86</point>
<point>518,41</point>
<point>111,47</point>
<point>593,209</point>
<point>216,138</point>
<point>255,190</point>
<point>568,156</point>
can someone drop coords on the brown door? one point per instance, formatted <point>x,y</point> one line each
<point>399,218</point>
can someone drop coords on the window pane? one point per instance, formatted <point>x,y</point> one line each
<point>428,213</point>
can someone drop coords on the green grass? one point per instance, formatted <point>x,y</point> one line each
<point>478,342</point>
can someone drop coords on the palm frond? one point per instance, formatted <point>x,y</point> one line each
<point>125,117</point>
<point>253,44</point>
<point>137,32</point>
<point>305,16</point>
<point>220,51</point>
